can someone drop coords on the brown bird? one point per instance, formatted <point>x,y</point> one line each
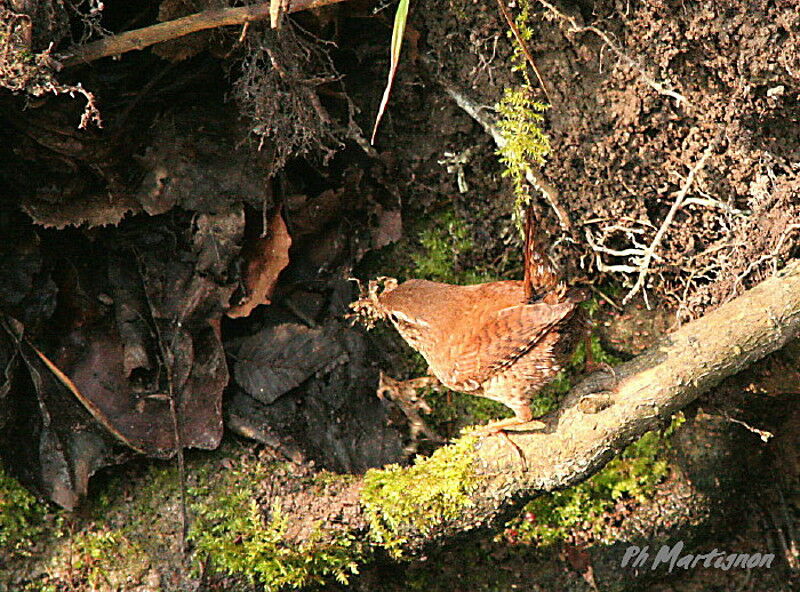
<point>500,340</point>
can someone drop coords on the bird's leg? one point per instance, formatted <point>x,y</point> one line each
<point>597,401</point>
<point>590,365</point>
<point>517,448</point>
<point>523,416</point>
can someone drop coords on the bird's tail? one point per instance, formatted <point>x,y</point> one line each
<point>541,277</point>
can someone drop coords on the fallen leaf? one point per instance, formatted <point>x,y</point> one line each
<point>91,407</point>
<point>333,417</point>
<point>279,358</point>
<point>266,257</point>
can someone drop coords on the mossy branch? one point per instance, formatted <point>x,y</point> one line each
<point>477,481</point>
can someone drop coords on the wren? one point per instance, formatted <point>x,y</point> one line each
<point>501,340</point>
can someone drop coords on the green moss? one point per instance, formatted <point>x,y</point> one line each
<point>519,62</point>
<point>325,480</point>
<point>520,123</point>
<point>420,497</point>
<point>105,557</point>
<point>444,240</point>
<point>520,115</point>
<point>159,483</point>
<point>232,535</point>
<point>436,246</point>
<point>22,518</point>
<point>632,475</point>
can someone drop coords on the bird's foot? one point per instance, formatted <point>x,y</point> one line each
<point>500,426</point>
<point>591,366</point>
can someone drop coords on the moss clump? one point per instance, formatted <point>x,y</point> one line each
<point>520,116</point>
<point>442,243</point>
<point>420,497</point>
<point>104,558</point>
<point>526,143</point>
<point>233,536</point>
<point>633,475</point>
<point>22,518</point>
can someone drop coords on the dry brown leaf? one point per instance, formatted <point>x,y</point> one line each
<point>90,405</point>
<point>265,258</point>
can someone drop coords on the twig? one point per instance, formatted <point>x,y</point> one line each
<point>763,434</point>
<point>649,253</point>
<point>147,36</point>
<point>605,297</point>
<point>575,27</point>
<point>167,356</point>
<point>522,45</point>
<point>477,112</point>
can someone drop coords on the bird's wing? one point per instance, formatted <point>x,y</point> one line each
<point>506,336</point>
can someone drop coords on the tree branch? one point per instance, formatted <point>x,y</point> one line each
<point>475,482</point>
<point>147,36</point>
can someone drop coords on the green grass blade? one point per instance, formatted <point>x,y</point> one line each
<point>397,43</point>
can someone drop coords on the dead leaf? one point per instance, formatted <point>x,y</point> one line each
<point>201,168</point>
<point>333,415</point>
<point>93,209</point>
<point>279,358</point>
<point>217,240</point>
<point>96,412</point>
<point>57,444</point>
<point>266,257</point>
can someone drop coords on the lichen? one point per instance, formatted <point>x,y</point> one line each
<point>421,497</point>
<point>232,535</point>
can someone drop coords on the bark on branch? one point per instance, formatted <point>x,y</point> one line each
<point>147,36</point>
<point>585,433</point>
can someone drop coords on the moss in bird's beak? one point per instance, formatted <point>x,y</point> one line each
<point>367,309</point>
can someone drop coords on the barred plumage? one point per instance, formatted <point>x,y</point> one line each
<point>500,340</point>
